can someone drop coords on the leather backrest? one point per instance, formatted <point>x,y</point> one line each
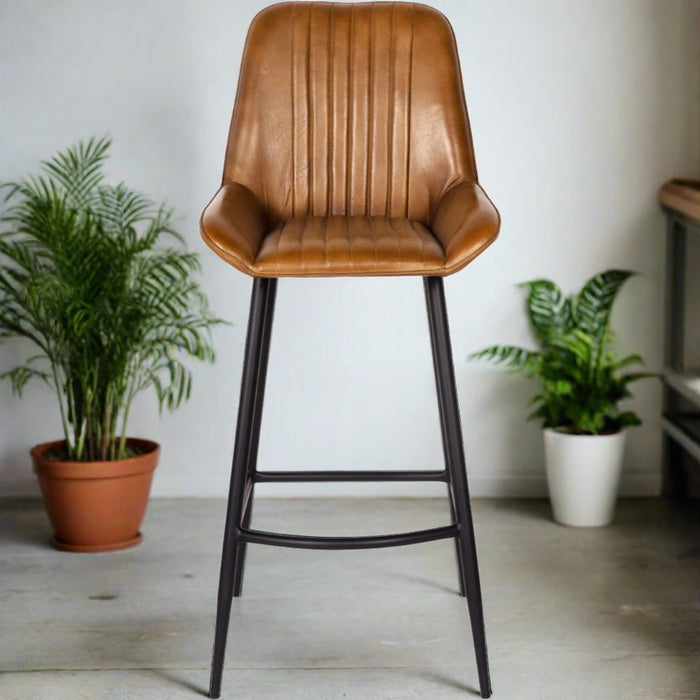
<point>349,109</point>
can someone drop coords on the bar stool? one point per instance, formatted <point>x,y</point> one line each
<point>349,154</point>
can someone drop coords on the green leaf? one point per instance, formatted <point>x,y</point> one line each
<point>636,376</point>
<point>544,304</point>
<point>594,303</point>
<point>515,358</point>
<point>627,361</point>
<point>627,420</point>
<point>563,387</point>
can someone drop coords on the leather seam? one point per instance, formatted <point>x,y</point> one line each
<point>292,65</point>
<point>398,242</point>
<point>279,241</point>
<point>420,238</point>
<point>330,140</point>
<point>349,235</point>
<point>350,115</point>
<point>392,115</point>
<point>408,115</point>
<point>311,200</point>
<point>370,115</point>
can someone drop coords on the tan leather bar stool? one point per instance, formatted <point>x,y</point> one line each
<point>349,154</point>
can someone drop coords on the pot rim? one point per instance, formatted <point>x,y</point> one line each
<point>96,469</point>
<point>564,434</point>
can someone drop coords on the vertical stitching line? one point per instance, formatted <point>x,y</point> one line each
<point>292,64</point>
<point>350,127</point>
<point>421,238</point>
<point>330,118</point>
<point>373,238</point>
<point>398,238</point>
<point>279,241</point>
<point>408,111</point>
<point>325,242</point>
<point>347,232</point>
<point>309,119</point>
<point>370,111</point>
<point>392,113</point>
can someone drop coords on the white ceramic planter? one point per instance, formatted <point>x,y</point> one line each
<point>583,474</point>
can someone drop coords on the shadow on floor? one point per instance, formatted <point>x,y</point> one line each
<point>180,680</point>
<point>527,508</point>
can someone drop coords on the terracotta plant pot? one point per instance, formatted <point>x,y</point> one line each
<point>96,506</point>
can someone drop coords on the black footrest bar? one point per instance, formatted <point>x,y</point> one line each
<point>406,475</point>
<point>369,542</point>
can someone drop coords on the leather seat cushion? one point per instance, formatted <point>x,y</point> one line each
<point>354,245</point>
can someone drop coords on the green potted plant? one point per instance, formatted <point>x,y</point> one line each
<point>96,278</point>
<point>582,382</point>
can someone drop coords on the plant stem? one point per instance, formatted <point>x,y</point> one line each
<point>106,428</point>
<point>125,419</point>
<point>73,417</point>
<point>62,408</point>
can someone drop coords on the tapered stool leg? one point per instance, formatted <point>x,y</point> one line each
<point>239,467</point>
<point>458,549</point>
<point>446,453</point>
<point>268,314</point>
<point>454,457</point>
<point>242,549</point>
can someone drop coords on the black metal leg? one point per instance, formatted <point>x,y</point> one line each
<point>268,315</point>
<point>458,548</point>
<point>239,468</point>
<point>239,566</point>
<point>446,453</point>
<point>454,457</point>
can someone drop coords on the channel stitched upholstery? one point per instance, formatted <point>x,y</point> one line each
<point>349,150</point>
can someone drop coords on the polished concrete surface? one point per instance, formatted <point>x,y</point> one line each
<point>571,613</point>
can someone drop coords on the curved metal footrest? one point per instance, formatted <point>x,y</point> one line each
<point>369,542</point>
<point>394,475</point>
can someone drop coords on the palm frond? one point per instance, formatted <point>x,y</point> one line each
<point>78,170</point>
<point>20,376</point>
<point>514,358</point>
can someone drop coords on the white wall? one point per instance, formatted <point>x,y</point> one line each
<point>580,111</point>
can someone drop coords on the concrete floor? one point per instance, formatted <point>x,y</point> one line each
<point>571,613</point>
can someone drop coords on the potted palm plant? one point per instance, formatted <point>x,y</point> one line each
<point>96,278</point>
<point>582,382</point>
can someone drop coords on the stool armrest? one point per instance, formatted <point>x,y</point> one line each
<point>465,222</point>
<point>233,225</point>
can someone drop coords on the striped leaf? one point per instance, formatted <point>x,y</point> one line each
<point>593,305</point>
<point>544,301</point>
<point>514,358</point>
